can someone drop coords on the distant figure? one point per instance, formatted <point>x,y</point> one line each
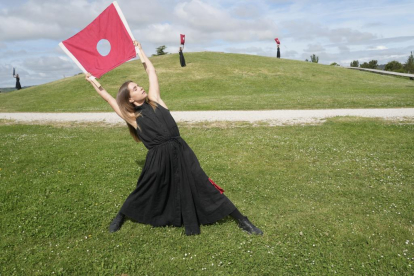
<point>278,51</point>
<point>18,86</point>
<point>182,60</point>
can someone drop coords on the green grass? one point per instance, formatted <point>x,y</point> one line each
<point>218,81</point>
<point>334,198</point>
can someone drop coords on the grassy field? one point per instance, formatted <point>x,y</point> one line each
<point>331,199</point>
<point>218,81</point>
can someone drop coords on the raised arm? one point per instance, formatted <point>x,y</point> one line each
<point>154,88</point>
<point>105,95</point>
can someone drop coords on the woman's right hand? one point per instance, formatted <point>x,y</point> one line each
<point>137,44</point>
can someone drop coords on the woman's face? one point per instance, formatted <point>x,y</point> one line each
<point>137,94</point>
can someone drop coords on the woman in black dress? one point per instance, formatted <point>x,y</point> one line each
<point>182,60</point>
<point>18,86</point>
<point>172,188</point>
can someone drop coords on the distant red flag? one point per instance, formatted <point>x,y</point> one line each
<point>277,40</point>
<point>182,37</point>
<point>110,25</point>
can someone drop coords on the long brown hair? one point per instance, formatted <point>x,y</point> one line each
<point>128,109</point>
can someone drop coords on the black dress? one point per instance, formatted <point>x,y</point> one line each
<point>278,53</point>
<point>172,188</point>
<point>182,59</point>
<point>18,86</point>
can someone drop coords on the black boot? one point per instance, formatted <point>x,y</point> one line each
<point>247,226</point>
<point>117,223</point>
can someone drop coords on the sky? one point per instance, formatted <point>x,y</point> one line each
<point>334,30</point>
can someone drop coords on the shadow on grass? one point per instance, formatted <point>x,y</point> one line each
<point>140,163</point>
<point>227,219</point>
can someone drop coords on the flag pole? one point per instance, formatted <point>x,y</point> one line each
<point>123,19</point>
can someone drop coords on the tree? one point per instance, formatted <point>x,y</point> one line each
<point>409,65</point>
<point>334,64</point>
<point>393,66</point>
<point>373,64</point>
<point>314,58</point>
<point>354,63</point>
<point>160,51</point>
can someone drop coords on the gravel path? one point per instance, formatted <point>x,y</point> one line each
<point>274,117</point>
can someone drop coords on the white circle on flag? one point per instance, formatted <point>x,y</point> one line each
<point>103,47</point>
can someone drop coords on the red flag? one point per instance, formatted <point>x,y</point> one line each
<point>277,40</point>
<point>110,25</point>
<point>182,37</point>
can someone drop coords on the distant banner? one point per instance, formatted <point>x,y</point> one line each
<point>14,72</point>
<point>182,37</point>
<point>110,26</point>
<point>277,40</point>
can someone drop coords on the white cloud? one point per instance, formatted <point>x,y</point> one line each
<point>376,48</point>
<point>46,19</point>
<point>47,64</point>
<point>13,54</point>
<point>6,76</point>
<point>306,30</point>
<point>140,13</point>
<point>315,48</point>
<point>343,49</point>
<point>209,23</point>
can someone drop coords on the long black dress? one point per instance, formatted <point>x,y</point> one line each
<point>172,188</point>
<point>18,86</point>
<point>182,59</point>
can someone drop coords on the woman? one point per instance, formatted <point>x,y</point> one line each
<point>172,188</point>
<point>18,86</point>
<point>182,60</point>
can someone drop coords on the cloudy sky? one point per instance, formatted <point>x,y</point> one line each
<point>336,31</point>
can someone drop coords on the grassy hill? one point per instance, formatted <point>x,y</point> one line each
<point>218,81</point>
<point>7,89</point>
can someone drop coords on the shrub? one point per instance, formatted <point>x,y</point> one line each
<point>393,66</point>
<point>373,64</point>
<point>354,63</point>
<point>314,58</point>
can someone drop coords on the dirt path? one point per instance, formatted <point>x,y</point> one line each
<point>274,117</point>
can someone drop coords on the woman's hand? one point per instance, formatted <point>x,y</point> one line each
<point>137,44</point>
<point>87,75</point>
<point>93,81</point>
